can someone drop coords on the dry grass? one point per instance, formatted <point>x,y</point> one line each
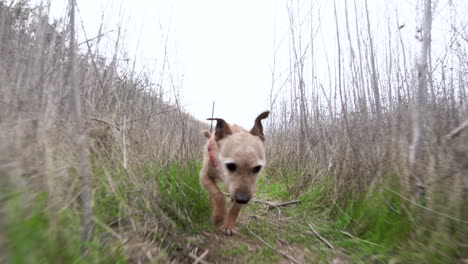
<point>126,120</point>
<point>359,132</point>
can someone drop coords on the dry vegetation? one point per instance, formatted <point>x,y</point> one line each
<point>361,128</point>
<point>127,122</point>
<point>341,146</point>
<point>385,124</point>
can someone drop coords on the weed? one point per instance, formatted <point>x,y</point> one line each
<point>183,197</point>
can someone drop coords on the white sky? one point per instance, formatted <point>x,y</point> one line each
<point>222,51</point>
<point>219,50</point>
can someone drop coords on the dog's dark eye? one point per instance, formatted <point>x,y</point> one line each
<point>231,166</point>
<point>256,169</point>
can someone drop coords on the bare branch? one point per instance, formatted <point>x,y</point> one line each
<point>199,259</point>
<point>271,204</point>
<point>456,131</point>
<point>291,259</point>
<point>316,233</point>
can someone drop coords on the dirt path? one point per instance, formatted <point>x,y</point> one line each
<point>267,235</point>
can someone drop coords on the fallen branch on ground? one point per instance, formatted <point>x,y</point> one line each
<point>277,205</point>
<point>321,237</point>
<point>271,204</point>
<point>291,259</point>
<point>200,258</point>
<point>360,239</point>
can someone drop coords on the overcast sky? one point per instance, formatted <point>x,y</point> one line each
<point>223,51</point>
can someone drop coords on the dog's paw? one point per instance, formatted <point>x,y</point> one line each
<point>227,231</point>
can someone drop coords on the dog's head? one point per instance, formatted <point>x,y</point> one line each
<point>241,156</point>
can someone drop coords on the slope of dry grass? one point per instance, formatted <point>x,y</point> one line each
<point>129,126</point>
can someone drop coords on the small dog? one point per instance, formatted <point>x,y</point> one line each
<point>235,157</point>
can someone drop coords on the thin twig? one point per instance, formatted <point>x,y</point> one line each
<point>200,258</point>
<point>124,143</point>
<point>93,61</point>
<point>271,204</point>
<point>275,205</point>
<point>291,259</point>
<point>108,229</point>
<point>106,122</point>
<point>287,203</point>
<point>114,126</point>
<point>360,239</point>
<point>98,36</point>
<point>212,116</point>
<point>153,114</point>
<point>426,208</point>
<point>455,132</point>
<point>321,237</point>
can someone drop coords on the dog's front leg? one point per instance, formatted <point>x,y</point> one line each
<point>217,200</point>
<point>229,222</point>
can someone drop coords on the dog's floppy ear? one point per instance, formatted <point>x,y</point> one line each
<point>222,129</point>
<point>257,129</point>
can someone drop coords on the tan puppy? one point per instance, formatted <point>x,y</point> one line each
<point>235,157</point>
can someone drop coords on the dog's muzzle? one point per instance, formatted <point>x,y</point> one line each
<point>242,198</point>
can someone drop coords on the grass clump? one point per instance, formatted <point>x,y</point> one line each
<point>36,233</point>
<point>135,211</point>
<point>380,224</point>
<point>182,196</point>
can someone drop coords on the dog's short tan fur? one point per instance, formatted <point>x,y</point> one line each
<point>239,156</point>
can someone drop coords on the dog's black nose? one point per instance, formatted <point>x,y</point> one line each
<point>242,198</point>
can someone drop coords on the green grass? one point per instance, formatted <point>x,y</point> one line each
<point>275,190</point>
<point>264,255</point>
<point>384,227</point>
<point>236,250</point>
<point>183,198</point>
<point>38,234</point>
<point>379,217</point>
<point>374,226</point>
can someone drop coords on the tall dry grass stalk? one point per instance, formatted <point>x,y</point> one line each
<point>79,133</point>
<point>416,154</point>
